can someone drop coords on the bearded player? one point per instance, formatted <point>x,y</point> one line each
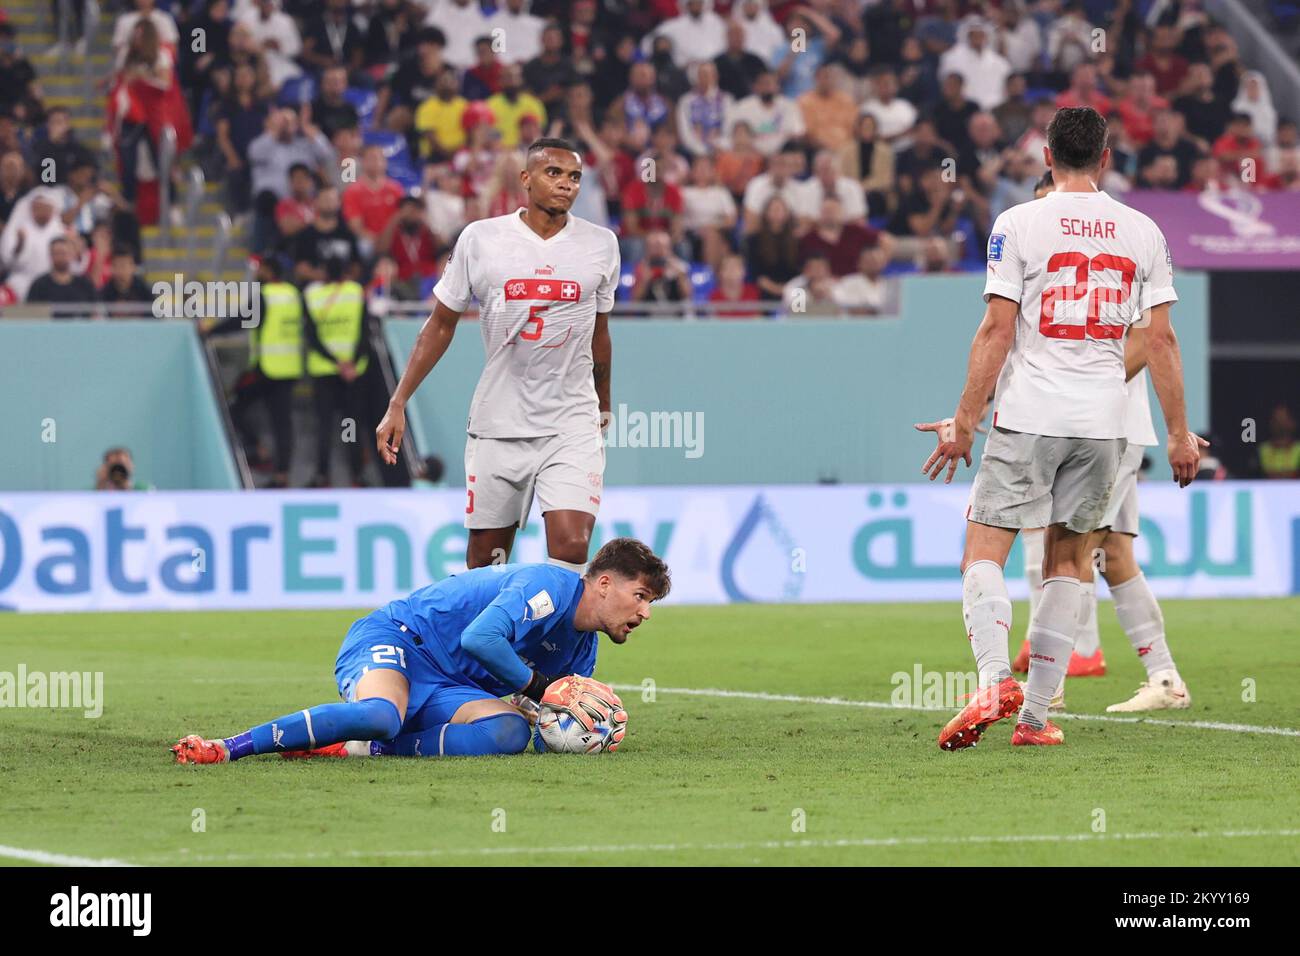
<point>545,282</point>
<point>423,675</point>
<point>1135,605</point>
<point>1067,276</point>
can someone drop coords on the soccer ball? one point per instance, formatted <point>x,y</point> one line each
<point>581,716</point>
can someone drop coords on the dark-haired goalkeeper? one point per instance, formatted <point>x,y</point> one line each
<point>424,675</point>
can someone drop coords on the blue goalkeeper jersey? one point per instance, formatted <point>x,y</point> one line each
<point>541,600</point>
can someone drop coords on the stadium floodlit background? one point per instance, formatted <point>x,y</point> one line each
<point>802,195</point>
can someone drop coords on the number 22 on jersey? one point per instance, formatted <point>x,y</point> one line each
<point>1082,288</point>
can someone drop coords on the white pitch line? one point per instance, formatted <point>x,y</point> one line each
<point>55,859</point>
<point>848,843</point>
<point>888,705</point>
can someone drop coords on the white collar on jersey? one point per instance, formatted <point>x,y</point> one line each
<point>527,230</point>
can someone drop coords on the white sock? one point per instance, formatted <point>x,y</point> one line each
<point>1050,641</point>
<point>986,609</point>
<point>579,568</point>
<point>1086,636</point>
<point>1139,615</point>
<point>1087,641</point>
<point>1033,569</point>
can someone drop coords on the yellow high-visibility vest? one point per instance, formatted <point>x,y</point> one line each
<point>1281,462</point>
<point>337,308</point>
<point>278,343</point>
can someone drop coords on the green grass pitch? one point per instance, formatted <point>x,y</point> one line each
<point>700,779</point>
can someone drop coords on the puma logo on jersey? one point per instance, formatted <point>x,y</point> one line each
<point>541,606</point>
<point>552,648</point>
<point>545,271</point>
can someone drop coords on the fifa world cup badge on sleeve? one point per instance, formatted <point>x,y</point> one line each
<point>995,247</point>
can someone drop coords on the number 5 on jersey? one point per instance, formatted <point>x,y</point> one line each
<point>533,332</point>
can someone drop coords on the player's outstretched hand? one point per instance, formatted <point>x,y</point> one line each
<point>952,447</point>
<point>388,436</point>
<point>587,700</point>
<point>1185,457</point>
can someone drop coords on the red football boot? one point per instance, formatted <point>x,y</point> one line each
<point>992,703</point>
<point>339,749</point>
<point>1024,735</point>
<point>194,749</point>
<point>1094,666</point>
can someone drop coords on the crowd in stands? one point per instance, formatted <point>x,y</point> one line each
<point>750,153</point>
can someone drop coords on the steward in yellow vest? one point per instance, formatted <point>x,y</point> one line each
<point>337,337</point>
<point>275,364</point>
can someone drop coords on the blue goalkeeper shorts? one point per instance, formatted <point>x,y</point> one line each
<point>377,642</point>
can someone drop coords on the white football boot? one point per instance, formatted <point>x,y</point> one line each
<point>1164,690</point>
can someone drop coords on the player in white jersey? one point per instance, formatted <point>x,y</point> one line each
<point>1067,276</point>
<point>1137,608</point>
<point>545,283</point>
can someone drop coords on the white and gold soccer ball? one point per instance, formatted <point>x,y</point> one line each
<point>578,715</point>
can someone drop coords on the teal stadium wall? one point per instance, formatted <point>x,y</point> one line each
<point>139,383</point>
<point>786,402</point>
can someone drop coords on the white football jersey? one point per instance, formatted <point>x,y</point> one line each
<point>538,299</point>
<point>1083,268</point>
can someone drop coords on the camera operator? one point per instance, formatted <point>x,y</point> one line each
<point>117,472</point>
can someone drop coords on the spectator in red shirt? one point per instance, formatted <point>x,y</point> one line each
<point>649,207</point>
<point>409,241</point>
<point>297,210</point>
<point>484,77</point>
<point>1083,91</point>
<point>1241,154</point>
<point>732,293</point>
<point>839,243</point>
<point>370,202</point>
<point>1139,108</point>
<point>1163,61</point>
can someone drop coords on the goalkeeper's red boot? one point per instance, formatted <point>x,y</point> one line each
<point>992,703</point>
<point>1021,664</point>
<point>1024,735</point>
<point>194,749</point>
<point>340,749</point>
<point>1094,666</point>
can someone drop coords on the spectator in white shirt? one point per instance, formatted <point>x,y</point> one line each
<point>444,205</point>
<point>1018,37</point>
<point>122,27</point>
<point>698,34</point>
<point>522,31</point>
<point>983,70</point>
<point>1069,41</point>
<point>463,21</point>
<point>762,33</point>
<point>277,37</point>
<point>895,116</point>
<point>708,213</point>
<point>827,183</point>
<point>775,119</point>
<point>25,242</point>
<point>865,292</point>
<point>779,180</point>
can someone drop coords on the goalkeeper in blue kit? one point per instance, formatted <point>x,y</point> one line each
<point>424,675</point>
